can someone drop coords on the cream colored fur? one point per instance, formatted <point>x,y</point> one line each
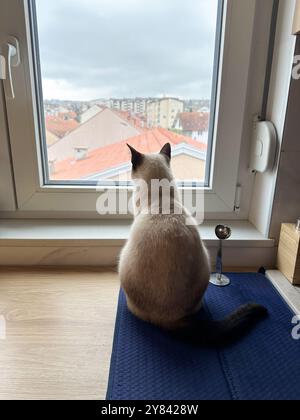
<point>164,268</point>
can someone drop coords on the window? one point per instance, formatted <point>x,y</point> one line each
<point>83,89</point>
<point>76,102</point>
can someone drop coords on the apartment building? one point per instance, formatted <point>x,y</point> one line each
<point>163,112</point>
<point>134,105</point>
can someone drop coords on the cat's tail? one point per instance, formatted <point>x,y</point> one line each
<point>221,333</point>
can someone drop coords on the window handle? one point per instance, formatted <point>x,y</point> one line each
<point>9,57</point>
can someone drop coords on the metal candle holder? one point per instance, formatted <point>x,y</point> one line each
<point>219,279</point>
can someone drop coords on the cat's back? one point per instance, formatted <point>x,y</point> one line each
<point>164,268</point>
<point>161,242</point>
<point>163,229</point>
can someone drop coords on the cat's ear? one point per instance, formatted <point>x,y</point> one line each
<point>166,151</point>
<point>136,157</point>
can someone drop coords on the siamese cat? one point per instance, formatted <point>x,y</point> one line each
<point>164,268</point>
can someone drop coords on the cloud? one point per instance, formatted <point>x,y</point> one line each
<point>118,48</point>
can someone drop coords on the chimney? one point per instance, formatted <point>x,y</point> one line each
<point>81,153</point>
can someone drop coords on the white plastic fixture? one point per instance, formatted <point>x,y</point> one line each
<point>9,58</point>
<point>263,147</point>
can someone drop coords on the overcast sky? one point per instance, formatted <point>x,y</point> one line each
<point>94,49</point>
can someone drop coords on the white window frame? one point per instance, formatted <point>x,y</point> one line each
<point>35,199</point>
<point>7,191</point>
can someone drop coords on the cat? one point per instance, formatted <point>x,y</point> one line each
<point>164,268</point>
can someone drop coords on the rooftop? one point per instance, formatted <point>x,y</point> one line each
<point>115,155</point>
<point>60,126</point>
<point>194,121</point>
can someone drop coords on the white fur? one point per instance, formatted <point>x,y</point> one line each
<point>164,268</point>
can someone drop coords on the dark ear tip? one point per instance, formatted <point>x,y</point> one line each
<point>132,150</point>
<point>136,157</point>
<point>167,150</point>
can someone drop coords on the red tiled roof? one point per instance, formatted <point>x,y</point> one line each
<point>112,156</point>
<point>194,121</point>
<point>59,126</point>
<point>71,115</point>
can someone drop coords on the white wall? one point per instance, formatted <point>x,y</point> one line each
<point>286,206</point>
<point>265,184</point>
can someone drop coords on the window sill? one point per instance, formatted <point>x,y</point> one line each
<point>69,242</point>
<point>110,233</point>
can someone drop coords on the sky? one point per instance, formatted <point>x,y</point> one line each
<point>91,49</point>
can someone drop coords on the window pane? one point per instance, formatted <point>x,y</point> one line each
<point>113,72</point>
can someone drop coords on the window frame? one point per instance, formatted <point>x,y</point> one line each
<point>32,197</point>
<point>6,173</point>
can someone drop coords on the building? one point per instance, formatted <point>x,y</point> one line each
<point>140,106</point>
<point>102,102</point>
<point>193,124</point>
<point>61,125</point>
<point>134,105</point>
<point>90,113</point>
<point>51,138</point>
<point>112,162</point>
<point>195,105</point>
<point>116,104</point>
<point>103,129</point>
<point>163,112</point>
<point>137,120</point>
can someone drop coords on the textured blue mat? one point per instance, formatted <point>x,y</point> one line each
<point>148,364</point>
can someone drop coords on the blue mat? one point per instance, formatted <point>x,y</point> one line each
<point>149,364</point>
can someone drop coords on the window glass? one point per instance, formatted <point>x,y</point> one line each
<point>113,72</point>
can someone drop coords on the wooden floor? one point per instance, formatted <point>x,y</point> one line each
<point>60,326</point>
<point>59,334</point>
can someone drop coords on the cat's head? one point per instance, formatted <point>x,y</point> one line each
<point>154,166</point>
